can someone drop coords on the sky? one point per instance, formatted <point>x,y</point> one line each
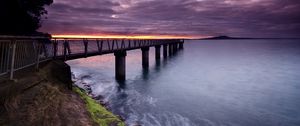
<point>198,18</point>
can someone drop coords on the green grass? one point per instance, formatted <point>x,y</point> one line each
<point>98,113</point>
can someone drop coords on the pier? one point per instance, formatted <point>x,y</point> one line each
<point>17,53</point>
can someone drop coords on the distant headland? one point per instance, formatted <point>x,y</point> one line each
<point>224,37</point>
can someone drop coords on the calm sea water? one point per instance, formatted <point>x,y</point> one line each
<point>209,83</point>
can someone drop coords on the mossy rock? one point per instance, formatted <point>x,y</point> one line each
<point>98,113</point>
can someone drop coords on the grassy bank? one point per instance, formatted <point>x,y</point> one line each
<point>44,98</point>
<point>98,113</point>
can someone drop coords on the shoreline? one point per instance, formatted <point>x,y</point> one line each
<point>86,89</point>
<point>98,110</point>
<point>49,97</point>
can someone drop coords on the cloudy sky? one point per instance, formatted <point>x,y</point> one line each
<point>239,18</point>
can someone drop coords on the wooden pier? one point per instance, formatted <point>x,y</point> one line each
<point>39,49</point>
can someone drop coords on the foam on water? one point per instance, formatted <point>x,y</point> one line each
<point>110,91</point>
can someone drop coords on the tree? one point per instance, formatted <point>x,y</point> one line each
<point>21,17</point>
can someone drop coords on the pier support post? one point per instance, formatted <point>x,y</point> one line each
<point>170,49</point>
<point>157,52</point>
<point>85,42</point>
<point>120,65</point>
<point>181,44</point>
<point>165,51</point>
<point>145,57</point>
<point>175,47</point>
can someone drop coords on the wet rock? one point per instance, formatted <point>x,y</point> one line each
<point>136,124</point>
<point>98,97</point>
<point>89,92</point>
<point>85,84</point>
<point>85,77</point>
<point>121,118</point>
<point>103,103</point>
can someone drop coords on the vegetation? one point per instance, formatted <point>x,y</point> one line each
<point>98,113</point>
<point>22,17</point>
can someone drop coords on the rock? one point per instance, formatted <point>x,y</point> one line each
<point>121,118</point>
<point>60,71</point>
<point>99,97</point>
<point>136,124</point>
<point>103,103</point>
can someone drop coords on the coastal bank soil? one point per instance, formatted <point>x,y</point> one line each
<point>47,98</point>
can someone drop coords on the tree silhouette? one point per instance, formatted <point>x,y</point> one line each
<point>21,17</point>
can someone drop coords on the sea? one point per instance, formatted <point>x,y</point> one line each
<point>242,82</point>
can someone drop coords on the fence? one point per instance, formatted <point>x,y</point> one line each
<point>20,52</point>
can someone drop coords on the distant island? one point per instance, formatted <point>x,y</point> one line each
<point>224,37</point>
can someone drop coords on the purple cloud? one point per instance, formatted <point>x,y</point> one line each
<point>241,18</point>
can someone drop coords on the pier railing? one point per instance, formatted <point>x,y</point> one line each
<point>17,52</point>
<point>74,48</point>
